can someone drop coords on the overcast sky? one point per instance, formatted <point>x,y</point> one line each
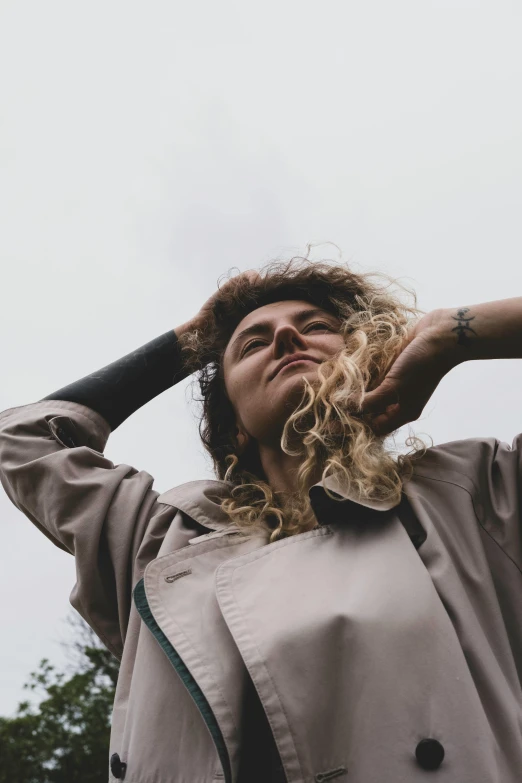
<point>148,148</point>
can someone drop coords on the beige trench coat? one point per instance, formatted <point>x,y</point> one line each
<point>378,642</point>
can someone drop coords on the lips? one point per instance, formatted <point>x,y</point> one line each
<point>295,357</point>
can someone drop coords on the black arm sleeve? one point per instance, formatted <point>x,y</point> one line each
<point>120,388</point>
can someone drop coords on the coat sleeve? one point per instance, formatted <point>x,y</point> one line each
<point>53,469</point>
<point>500,491</point>
<point>492,469</point>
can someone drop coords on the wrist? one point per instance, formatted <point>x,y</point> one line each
<point>490,330</point>
<point>188,326</point>
<point>451,335</point>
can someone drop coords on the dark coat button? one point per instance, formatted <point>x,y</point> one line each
<point>429,753</point>
<point>117,766</point>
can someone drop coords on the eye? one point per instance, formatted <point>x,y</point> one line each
<point>309,327</point>
<point>248,346</point>
<point>327,326</point>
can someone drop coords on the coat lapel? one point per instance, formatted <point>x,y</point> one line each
<point>178,602</point>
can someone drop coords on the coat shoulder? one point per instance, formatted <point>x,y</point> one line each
<point>458,462</point>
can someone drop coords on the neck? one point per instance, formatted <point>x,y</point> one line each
<point>281,470</point>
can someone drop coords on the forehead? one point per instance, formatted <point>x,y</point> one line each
<point>272,312</point>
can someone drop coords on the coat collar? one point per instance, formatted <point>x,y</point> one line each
<point>337,484</point>
<point>201,500</point>
<point>365,510</point>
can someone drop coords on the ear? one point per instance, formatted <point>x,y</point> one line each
<point>242,439</point>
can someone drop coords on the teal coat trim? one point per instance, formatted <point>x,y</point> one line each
<point>142,605</point>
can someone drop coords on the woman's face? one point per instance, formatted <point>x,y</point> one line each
<point>262,395</point>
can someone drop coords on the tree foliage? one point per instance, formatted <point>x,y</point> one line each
<point>66,736</point>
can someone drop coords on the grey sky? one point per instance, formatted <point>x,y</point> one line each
<point>147,148</point>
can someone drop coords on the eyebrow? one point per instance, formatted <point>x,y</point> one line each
<point>263,327</point>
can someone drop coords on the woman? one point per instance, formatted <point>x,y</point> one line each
<point>323,609</point>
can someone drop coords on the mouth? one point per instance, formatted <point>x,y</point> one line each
<point>292,362</point>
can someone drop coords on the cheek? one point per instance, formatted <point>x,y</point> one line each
<point>240,385</point>
<point>334,345</point>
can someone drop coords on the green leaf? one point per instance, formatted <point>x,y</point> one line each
<point>66,737</point>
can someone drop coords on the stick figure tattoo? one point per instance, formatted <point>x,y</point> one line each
<point>463,326</point>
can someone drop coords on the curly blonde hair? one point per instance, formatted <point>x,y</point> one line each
<point>326,430</point>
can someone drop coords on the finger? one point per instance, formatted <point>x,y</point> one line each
<point>388,421</point>
<point>379,400</point>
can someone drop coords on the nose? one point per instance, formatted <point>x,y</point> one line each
<point>287,339</point>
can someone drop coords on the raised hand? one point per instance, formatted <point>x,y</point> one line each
<point>423,361</point>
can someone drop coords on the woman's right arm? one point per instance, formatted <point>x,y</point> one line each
<point>53,469</point>
<point>120,388</point>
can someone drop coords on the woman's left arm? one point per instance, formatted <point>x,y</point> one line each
<point>439,341</point>
<point>491,330</point>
